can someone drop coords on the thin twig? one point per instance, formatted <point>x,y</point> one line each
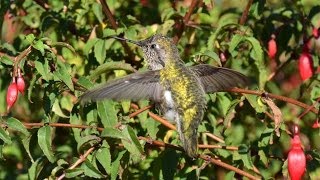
<point>278,97</point>
<point>137,112</point>
<point>227,166</point>
<point>157,118</point>
<point>214,137</point>
<point>114,25</point>
<point>78,162</point>
<point>308,109</point>
<point>245,13</point>
<point>181,25</point>
<point>148,140</point>
<point>209,146</point>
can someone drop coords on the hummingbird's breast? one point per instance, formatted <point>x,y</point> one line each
<point>183,95</point>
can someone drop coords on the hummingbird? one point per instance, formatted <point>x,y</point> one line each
<point>178,90</point>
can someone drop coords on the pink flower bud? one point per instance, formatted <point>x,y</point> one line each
<point>315,32</point>
<point>272,47</point>
<point>20,82</point>
<point>12,94</point>
<point>296,158</point>
<point>305,65</point>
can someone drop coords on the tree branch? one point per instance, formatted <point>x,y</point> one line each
<point>114,25</point>
<point>278,97</point>
<point>180,26</point>
<point>245,13</point>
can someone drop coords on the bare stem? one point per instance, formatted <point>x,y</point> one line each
<point>245,13</point>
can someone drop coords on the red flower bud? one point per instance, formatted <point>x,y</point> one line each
<point>316,124</point>
<point>296,158</point>
<point>305,66</point>
<point>12,94</point>
<point>315,33</point>
<point>20,82</point>
<point>272,47</point>
<point>222,57</point>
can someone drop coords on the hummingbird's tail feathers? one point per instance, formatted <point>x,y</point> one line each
<point>215,79</point>
<point>190,144</point>
<point>188,138</point>
<point>134,87</point>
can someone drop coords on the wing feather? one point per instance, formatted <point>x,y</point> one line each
<point>214,79</point>
<point>135,87</point>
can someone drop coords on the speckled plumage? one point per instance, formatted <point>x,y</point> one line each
<point>179,90</point>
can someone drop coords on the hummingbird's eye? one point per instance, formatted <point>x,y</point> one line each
<point>154,46</point>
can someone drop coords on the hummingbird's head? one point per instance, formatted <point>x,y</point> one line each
<point>157,50</point>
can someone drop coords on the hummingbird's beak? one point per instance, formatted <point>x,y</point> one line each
<point>127,40</point>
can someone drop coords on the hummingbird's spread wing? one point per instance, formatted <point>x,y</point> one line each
<point>214,79</point>
<point>135,87</point>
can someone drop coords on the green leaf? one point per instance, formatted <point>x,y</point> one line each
<point>64,75</point>
<point>97,10</point>
<point>213,55</point>
<point>89,45</point>
<point>87,141</point>
<point>85,82</point>
<point>112,132</point>
<point>26,144</point>
<point>43,69</point>
<point>4,136</point>
<point>6,60</point>
<point>30,38</point>
<point>73,173</point>
<point>257,55</point>
<point>230,112</point>
<point>126,105</point>
<point>75,119</point>
<point>252,99</point>
<point>107,113</point>
<point>91,171</point>
<point>143,117</point>
<point>39,46</point>
<point>115,165</point>
<point>235,41</point>
<point>263,157</point>
<point>170,161</point>
<point>57,109</point>
<point>213,37</point>
<point>110,66</point>
<point>152,127</point>
<point>44,141</point>
<point>100,51</point>
<point>15,124</point>
<point>36,168</point>
<point>104,157</point>
<point>247,161</point>
<point>133,145</point>
<point>31,86</point>
<point>223,103</point>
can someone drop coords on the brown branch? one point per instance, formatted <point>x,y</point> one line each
<point>114,25</point>
<point>308,109</point>
<point>245,13</point>
<point>149,141</point>
<point>204,157</point>
<point>137,112</point>
<point>78,162</point>
<point>214,137</point>
<point>180,26</point>
<point>227,166</point>
<point>107,11</point>
<point>32,125</point>
<point>157,118</point>
<point>278,97</point>
<point>209,146</point>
